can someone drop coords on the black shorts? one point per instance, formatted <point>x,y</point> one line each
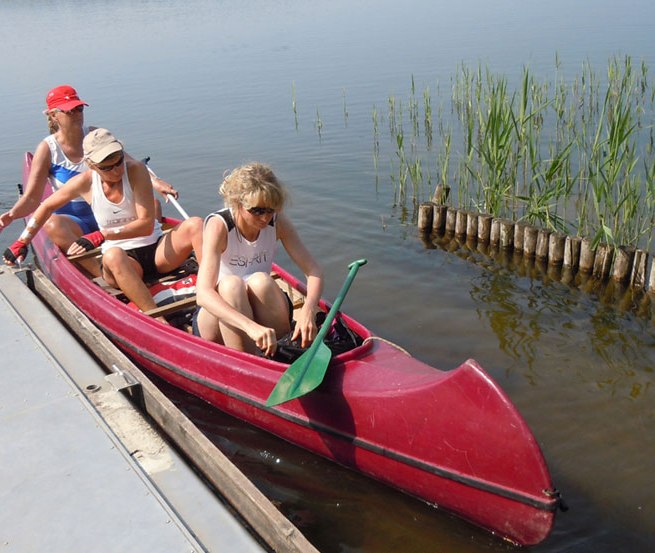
<point>145,256</point>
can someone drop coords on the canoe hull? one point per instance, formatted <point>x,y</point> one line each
<point>452,438</point>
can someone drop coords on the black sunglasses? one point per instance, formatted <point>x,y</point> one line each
<point>112,166</point>
<point>261,210</point>
<point>76,109</point>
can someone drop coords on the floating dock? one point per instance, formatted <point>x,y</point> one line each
<point>83,469</point>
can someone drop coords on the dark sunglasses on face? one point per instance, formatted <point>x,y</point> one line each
<point>108,168</point>
<point>77,109</point>
<point>260,210</point>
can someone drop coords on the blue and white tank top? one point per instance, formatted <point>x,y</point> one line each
<point>63,169</point>
<point>110,215</point>
<point>242,257</point>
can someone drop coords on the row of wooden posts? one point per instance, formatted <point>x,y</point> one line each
<point>624,264</point>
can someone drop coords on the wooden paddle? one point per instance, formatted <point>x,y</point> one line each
<point>308,371</point>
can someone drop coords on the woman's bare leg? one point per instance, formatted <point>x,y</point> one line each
<point>63,231</point>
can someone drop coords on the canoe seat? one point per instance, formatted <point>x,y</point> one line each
<point>169,309</point>
<point>297,299</point>
<point>109,289</point>
<point>95,252</point>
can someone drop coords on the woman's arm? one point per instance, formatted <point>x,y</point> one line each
<point>77,186</point>
<point>34,187</point>
<point>144,204</point>
<point>300,255</point>
<point>159,185</point>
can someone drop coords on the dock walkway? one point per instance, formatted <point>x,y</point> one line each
<point>81,468</point>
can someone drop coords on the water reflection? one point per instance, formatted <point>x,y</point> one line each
<point>535,316</point>
<point>337,509</point>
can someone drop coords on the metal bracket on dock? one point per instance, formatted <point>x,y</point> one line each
<point>121,379</point>
<point>20,268</point>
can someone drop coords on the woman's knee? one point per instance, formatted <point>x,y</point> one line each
<point>260,281</point>
<point>231,288</point>
<point>191,228</point>
<point>115,259</point>
<point>62,230</point>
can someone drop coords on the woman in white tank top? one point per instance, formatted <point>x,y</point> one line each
<point>240,305</point>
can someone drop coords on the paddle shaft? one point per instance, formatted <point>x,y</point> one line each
<point>177,206</point>
<point>170,197</point>
<point>325,327</point>
<point>307,372</point>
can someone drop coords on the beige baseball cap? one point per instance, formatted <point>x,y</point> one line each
<point>99,144</point>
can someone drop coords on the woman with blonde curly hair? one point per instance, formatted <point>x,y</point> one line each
<point>240,305</point>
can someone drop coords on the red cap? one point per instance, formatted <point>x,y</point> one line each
<point>63,97</point>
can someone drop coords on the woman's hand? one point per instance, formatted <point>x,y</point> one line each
<point>164,188</point>
<point>264,338</point>
<point>6,219</point>
<point>306,328</point>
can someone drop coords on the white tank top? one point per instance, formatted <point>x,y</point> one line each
<point>242,257</point>
<point>63,169</point>
<point>110,215</point>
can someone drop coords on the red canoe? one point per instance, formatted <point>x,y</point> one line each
<point>452,439</point>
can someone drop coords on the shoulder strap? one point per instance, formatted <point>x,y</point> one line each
<point>225,214</point>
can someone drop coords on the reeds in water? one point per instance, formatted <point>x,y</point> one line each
<point>573,155</point>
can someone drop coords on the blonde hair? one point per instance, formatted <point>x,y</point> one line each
<point>53,126</point>
<point>251,185</point>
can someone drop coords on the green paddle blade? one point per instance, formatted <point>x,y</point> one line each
<point>302,376</point>
<point>307,372</point>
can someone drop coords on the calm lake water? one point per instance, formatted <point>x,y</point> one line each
<point>202,86</point>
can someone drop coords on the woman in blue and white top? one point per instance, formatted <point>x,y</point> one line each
<point>241,306</point>
<point>59,156</point>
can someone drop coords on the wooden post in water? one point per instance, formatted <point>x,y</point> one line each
<point>460,222</point>
<point>441,193</point>
<point>530,240</point>
<point>472,225</point>
<point>587,255</point>
<point>506,233</point>
<point>572,252</point>
<point>437,197</point>
<point>439,218</point>
<point>623,261</point>
<point>484,227</point>
<point>556,242</point>
<point>603,261</point>
<point>425,213</point>
<point>542,244</point>
<point>451,217</point>
<point>651,278</point>
<point>519,233</point>
<point>494,235</point>
<point>638,276</point>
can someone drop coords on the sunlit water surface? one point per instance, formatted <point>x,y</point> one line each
<point>202,86</point>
